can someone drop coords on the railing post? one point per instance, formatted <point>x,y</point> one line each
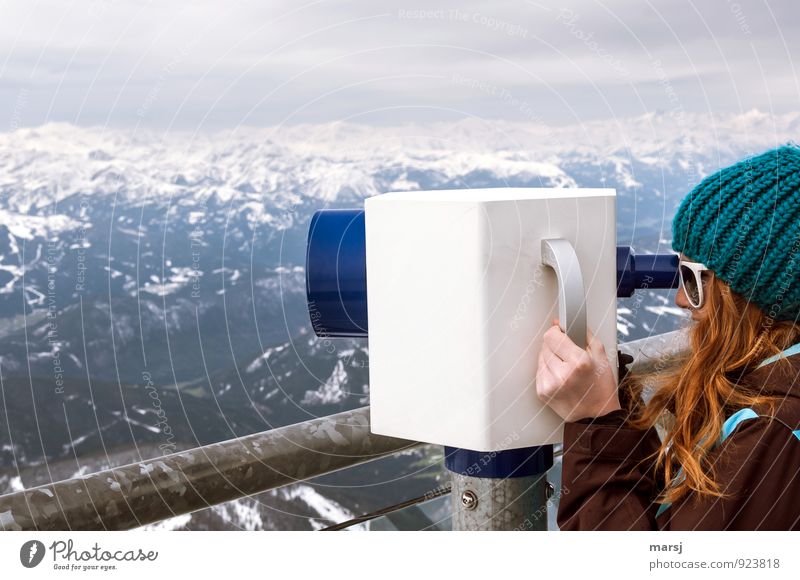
<point>499,490</point>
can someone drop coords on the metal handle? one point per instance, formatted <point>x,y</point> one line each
<point>560,256</point>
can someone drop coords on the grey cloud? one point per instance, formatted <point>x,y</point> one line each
<point>216,64</point>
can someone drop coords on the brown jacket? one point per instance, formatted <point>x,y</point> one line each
<point>606,485</point>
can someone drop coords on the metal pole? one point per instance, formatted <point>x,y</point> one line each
<point>134,495</point>
<point>499,490</point>
<point>514,503</point>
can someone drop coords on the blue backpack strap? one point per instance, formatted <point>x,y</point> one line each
<point>740,416</point>
<point>733,421</point>
<point>728,427</point>
<point>794,349</point>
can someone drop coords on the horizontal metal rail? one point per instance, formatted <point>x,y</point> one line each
<point>142,493</point>
<point>431,495</point>
<point>154,490</point>
<point>655,352</point>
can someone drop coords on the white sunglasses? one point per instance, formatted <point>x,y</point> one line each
<point>692,281</point>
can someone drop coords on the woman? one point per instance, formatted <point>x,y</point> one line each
<point>729,406</point>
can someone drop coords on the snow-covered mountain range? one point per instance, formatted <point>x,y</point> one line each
<point>138,266</point>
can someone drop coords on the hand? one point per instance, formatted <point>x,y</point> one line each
<point>574,382</point>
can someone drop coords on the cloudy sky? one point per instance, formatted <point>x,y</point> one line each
<point>206,65</point>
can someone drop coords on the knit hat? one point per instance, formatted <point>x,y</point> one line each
<point>743,222</point>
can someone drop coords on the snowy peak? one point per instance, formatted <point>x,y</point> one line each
<point>42,166</point>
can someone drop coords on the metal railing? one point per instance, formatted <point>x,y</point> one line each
<point>142,493</point>
<point>133,495</point>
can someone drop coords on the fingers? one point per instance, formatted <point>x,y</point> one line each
<point>561,344</point>
<point>542,379</point>
<point>557,368</point>
<point>546,385</point>
<point>595,345</point>
<point>597,351</point>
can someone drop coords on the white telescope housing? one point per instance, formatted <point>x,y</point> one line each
<point>462,284</point>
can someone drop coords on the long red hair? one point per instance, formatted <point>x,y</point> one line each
<point>695,391</point>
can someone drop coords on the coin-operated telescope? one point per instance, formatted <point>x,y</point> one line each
<point>462,285</point>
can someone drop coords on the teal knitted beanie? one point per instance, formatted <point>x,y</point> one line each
<point>743,222</point>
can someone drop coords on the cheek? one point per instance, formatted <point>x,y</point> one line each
<point>680,298</point>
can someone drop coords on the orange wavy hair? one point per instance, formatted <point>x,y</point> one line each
<point>696,390</point>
